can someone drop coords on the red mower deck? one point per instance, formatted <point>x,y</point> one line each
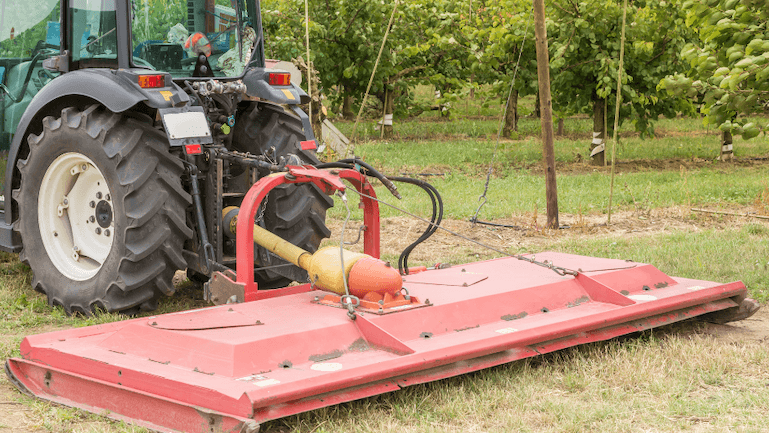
<point>231,367</point>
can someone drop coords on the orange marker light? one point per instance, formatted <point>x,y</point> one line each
<point>152,81</point>
<point>280,79</point>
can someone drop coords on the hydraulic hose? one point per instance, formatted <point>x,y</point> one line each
<point>432,192</point>
<point>435,220</point>
<point>351,163</point>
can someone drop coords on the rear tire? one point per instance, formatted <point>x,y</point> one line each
<point>296,213</point>
<point>116,242</point>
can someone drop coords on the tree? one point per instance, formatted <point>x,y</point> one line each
<point>503,40</point>
<point>423,46</point>
<point>585,45</point>
<point>345,39</point>
<point>729,64</point>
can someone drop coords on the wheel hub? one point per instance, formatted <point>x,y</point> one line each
<point>75,216</point>
<point>103,214</point>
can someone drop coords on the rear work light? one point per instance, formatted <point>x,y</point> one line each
<point>280,79</point>
<point>152,81</point>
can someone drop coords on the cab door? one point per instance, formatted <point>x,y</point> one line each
<point>30,32</point>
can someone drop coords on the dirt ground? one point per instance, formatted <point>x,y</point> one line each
<point>527,231</point>
<point>18,415</point>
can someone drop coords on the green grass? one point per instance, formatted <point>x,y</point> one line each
<point>513,192</point>
<point>470,154</point>
<point>713,255</point>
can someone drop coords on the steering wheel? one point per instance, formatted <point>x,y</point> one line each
<point>90,46</point>
<point>28,78</point>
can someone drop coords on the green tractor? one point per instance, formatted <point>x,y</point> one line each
<point>128,126</point>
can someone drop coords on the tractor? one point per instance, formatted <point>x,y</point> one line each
<point>129,125</point>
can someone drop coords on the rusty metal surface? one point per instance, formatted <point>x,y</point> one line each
<point>221,289</point>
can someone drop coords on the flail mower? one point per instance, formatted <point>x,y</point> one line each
<point>103,200</point>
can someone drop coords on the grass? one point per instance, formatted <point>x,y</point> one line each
<point>713,255</point>
<point>515,191</point>
<point>466,154</point>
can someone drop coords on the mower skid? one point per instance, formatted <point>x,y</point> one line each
<point>243,364</point>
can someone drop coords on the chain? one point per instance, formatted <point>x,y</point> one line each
<point>263,206</point>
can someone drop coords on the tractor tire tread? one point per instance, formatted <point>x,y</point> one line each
<point>147,252</point>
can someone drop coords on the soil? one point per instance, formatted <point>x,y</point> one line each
<point>527,233</point>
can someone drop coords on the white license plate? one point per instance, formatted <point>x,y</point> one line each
<point>186,125</point>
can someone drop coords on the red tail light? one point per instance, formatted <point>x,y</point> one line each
<point>193,149</point>
<point>152,81</point>
<point>280,79</point>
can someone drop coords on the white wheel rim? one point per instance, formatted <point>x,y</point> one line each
<point>75,216</point>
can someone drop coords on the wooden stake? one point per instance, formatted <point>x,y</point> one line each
<point>546,111</point>
<point>616,112</point>
<point>309,63</point>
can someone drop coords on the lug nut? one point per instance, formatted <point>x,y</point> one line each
<point>84,167</point>
<point>98,195</point>
<point>106,232</point>
<point>98,230</point>
<point>92,204</point>
<point>106,197</point>
<point>91,218</point>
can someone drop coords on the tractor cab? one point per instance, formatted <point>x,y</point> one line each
<point>185,38</point>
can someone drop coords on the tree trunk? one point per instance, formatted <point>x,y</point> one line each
<point>389,104</point>
<point>511,116</point>
<point>347,113</point>
<point>446,106</point>
<point>537,111</point>
<point>599,131</point>
<point>315,103</point>
<point>560,127</point>
<point>727,153</point>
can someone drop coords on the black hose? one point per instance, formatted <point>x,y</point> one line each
<point>369,171</point>
<point>435,220</point>
<point>435,197</point>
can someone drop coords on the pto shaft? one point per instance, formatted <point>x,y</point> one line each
<point>367,277</point>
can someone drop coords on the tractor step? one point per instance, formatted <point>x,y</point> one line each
<point>231,367</point>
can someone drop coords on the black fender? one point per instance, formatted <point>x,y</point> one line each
<point>118,90</point>
<point>258,85</point>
